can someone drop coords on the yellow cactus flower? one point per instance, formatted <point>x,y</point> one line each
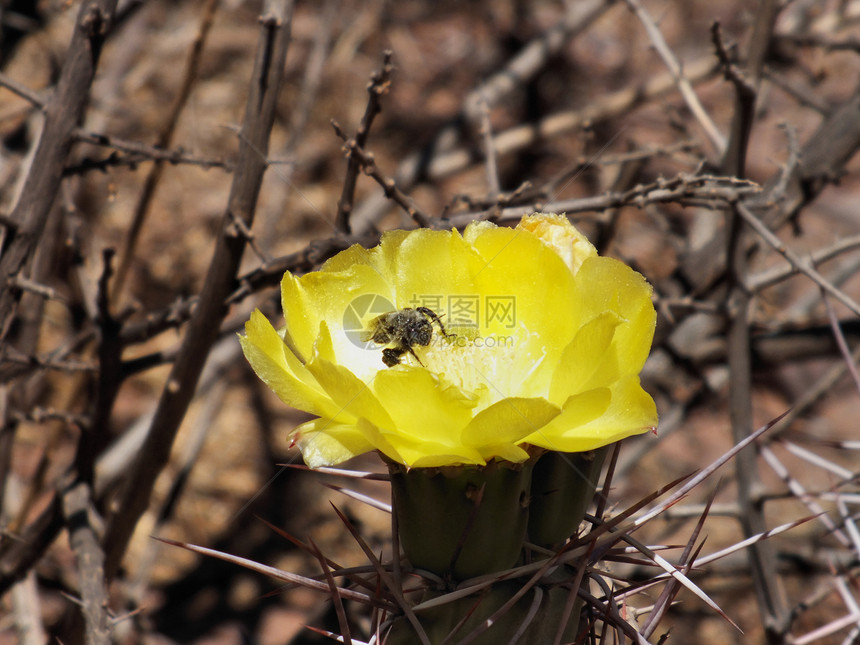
<point>439,348</point>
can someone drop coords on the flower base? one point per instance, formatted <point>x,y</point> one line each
<point>459,522</point>
<point>563,486</point>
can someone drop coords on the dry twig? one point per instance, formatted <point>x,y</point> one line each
<point>203,328</point>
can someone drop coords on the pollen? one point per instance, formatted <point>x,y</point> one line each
<point>488,367</point>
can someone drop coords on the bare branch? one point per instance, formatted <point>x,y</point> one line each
<point>63,111</point>
<point>378,87</point>
<point>165,138</point>
<point>275,24</point>
<point>22,90</point>
<point>798,264</point>
<point>77,506</point>
<point>135,153</point>
<point>367,163</point>
<point>683,83</point>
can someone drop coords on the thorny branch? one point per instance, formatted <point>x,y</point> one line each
<point>367,164</point>
<point>522,119</point>
<point>135,153</point>
<point>683,189</point>
<point>165,139</point>
<point>378,87</point>
<point>675,68</point>
<point>63,111</point>
<point>738,302</point>
<point>259,117</point>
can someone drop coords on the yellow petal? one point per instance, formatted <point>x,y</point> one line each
<point>510,452</point>
<point>429,454</point>
<point>420,406</point>
<point>577,411</point>
<point>416,451</point>
<point>505,423</point>
<point>586,362</point>
<point>517,265</point>
<point>557,232</point>
<point>323,346</point>
<point>325,443</point>
<point>605,284</point>
<point>631,411</point>
<point>429,267</point>
<point>301,323</point>
<point>372,434</point>
<point>278,368</point>
<point>332,297</point>
<point>347,259</point>
<point>352,396</point>
<point>385,257</point>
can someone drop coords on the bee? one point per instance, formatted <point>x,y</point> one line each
<point>403,329</point>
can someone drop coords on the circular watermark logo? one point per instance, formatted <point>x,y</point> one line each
<point>359,313</point>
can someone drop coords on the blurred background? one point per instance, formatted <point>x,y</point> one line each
<point>610,100</point>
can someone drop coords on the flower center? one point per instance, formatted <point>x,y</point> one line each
<point>489,367</point>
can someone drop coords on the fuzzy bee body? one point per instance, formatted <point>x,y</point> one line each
<point>403,329</point>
